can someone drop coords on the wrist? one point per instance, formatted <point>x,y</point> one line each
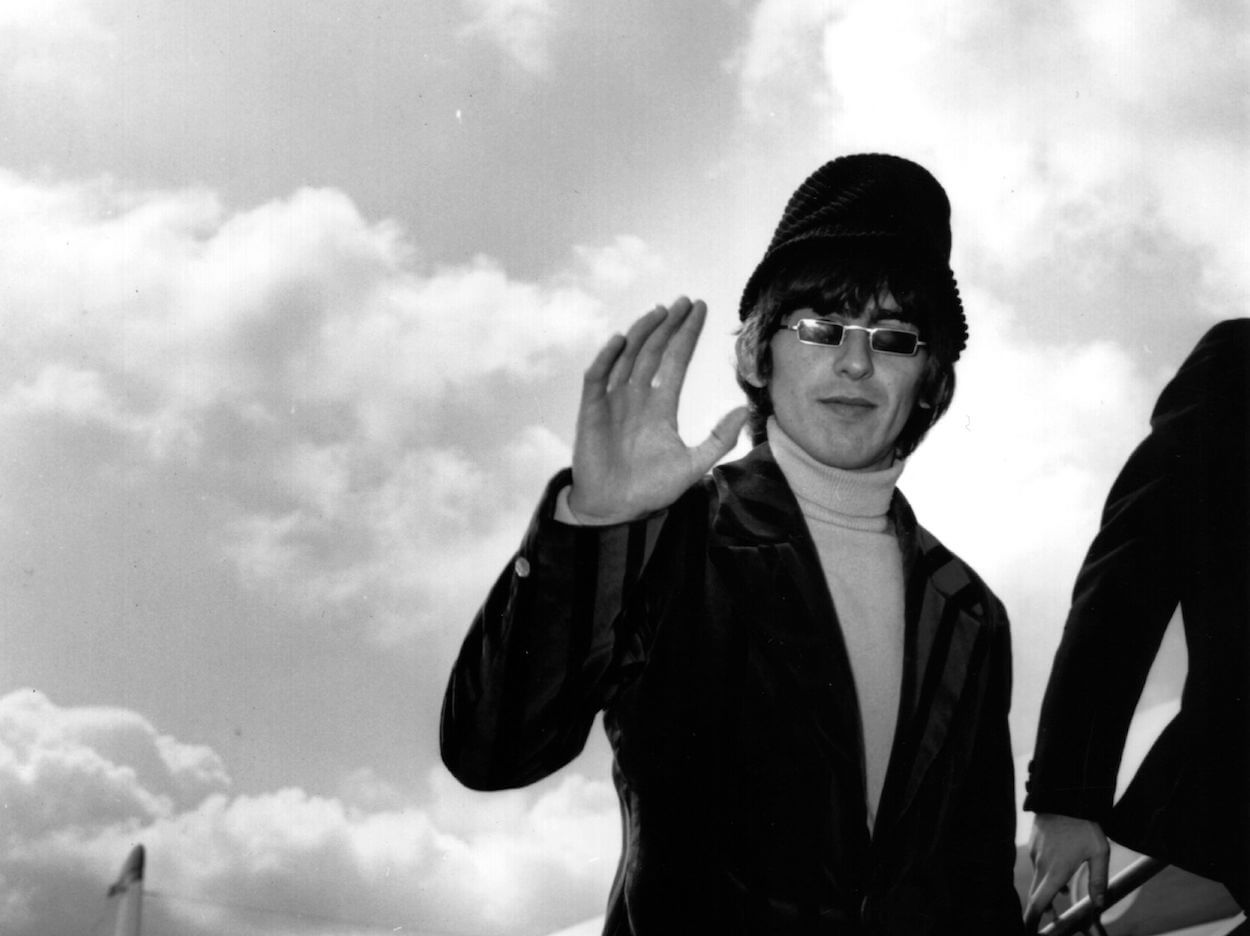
<point>567,512</point>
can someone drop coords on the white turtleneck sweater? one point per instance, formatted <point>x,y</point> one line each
<point>847,515</point>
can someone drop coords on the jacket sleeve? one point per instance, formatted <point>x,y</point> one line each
<point>1152,549</point>
<point>546,651</point>
<point>984,852</point>
<point>1124,596</point>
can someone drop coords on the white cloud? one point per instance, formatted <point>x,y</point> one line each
<point>416,337</point>
<point>298,299</point>
<point>76,394</point>
<point>296,359</point>
<point>46,43</point>
<point>364,789</point>
<point>619,264</point>
<point>520,863</point>
<point>779,65</point>
<point>90,768</point>
<point>521,28</point>
<point>402,550</point>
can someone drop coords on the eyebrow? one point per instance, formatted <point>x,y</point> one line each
<point>874,315</point>
<point>898,315</point>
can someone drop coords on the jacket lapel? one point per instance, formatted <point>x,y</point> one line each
<point>760,532</point>
<point>760,526</point>
<point>761,523</point>
<point>940,642</point>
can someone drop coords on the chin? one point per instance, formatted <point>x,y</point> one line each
<point>874,462</point>
<point>850,458</point>
<point>844,462</point>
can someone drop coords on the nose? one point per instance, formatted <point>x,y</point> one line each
<point>855,355</point>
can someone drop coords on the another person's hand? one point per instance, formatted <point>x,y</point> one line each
<point>628,458</point>
<point>1058,846</point>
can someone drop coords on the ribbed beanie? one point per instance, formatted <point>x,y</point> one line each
<point>877,201</point>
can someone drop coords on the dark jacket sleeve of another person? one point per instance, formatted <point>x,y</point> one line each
<point>707,637</point>
<point>1174,532</point>
<point>1125,594</point>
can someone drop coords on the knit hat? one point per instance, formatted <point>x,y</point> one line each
<point>877,201</point>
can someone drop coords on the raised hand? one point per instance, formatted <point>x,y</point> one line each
<point>1059,845</point>
<point>628,458</point>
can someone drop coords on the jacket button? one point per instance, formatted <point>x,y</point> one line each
<point>521,567</point>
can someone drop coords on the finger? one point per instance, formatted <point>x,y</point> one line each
<point>680,350</point>
<point>1041,896</point>
<point>1079,883</point>
<point>634,340</point>
<point>1098,877</point>
<point>723,437</point>
<point>1036,883</point>
<point>595,379</point>
<point>655,348</point>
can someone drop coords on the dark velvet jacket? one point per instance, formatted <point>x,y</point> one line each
<point>707,636</point>
<point>1175,531</point>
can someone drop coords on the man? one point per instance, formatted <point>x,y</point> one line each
<point>1175,531</point>
<point>806,694</point>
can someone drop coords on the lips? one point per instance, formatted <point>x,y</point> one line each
<point>849,407</point>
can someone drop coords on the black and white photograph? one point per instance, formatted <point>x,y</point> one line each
<point>554,468</point>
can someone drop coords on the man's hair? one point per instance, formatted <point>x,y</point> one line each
<point>814,275</point>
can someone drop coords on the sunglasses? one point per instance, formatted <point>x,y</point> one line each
<point>883,340</point>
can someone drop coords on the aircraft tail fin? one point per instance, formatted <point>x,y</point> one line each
<point>128,891</point>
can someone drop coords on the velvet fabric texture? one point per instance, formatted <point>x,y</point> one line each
<point>707,637</point>
<point>1175,531</point>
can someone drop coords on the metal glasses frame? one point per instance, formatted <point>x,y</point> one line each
<point>871,331</point>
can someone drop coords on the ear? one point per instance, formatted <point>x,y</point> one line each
<point>754,379</point>
<point>748,370</point>
<point>751,356</point>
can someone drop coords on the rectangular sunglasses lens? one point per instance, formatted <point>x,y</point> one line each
<point>820,331</point>
<point>894,341</point>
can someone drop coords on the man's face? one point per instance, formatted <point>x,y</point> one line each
<point>845,405</point>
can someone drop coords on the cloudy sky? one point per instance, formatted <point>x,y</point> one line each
<point>294,302</point>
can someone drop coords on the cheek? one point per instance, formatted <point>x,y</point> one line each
<point>784,384</point>
<point>909,394</point>
<point>789,363</point>
<point>906,394</point>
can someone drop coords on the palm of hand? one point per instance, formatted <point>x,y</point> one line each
<point>629,459</point>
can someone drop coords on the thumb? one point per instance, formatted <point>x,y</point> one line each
<point>723,437</point>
